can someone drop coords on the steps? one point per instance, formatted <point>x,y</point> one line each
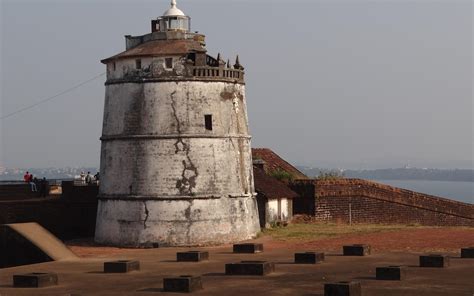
<point>29,243</point>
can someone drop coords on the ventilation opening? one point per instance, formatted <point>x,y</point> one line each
<point>208,122</point>
<point>138,64</point>
<point>192,57</point>
<point>169,63</point>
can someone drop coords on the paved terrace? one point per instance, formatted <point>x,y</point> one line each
<point>85,276</point>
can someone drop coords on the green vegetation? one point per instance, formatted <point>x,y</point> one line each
<point>330,175</point>
<point>315,231</point>
<point>282,175</point>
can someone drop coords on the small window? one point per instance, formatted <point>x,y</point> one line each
<point>169,63</point>
<point>138,64</point>
<point>208,122</point>
<point>114,66</point>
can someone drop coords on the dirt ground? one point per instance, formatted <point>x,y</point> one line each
<point>380,238</point>
<point>391,245</point>
<point>411,240</point>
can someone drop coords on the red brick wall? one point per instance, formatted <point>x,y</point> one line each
<point>372,202</point>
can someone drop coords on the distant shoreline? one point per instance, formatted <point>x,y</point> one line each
<point>401,174</point>
<point>432,180</point>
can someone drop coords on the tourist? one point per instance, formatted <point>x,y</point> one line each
<point>88,178</point>
<point>26,177</point>
<point>83,177</point>
<point>31,180</point>
<point>44,187</point>
<point>97,178</point>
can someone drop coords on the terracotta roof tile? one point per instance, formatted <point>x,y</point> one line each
<point>274,162</point>
<point>270,187</point>
<point>159,48</point>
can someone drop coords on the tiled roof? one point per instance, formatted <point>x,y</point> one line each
<point>270,187</point>
<point>160,48</point>
<point>273,162</point>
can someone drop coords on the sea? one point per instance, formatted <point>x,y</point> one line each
<point>460,191</point>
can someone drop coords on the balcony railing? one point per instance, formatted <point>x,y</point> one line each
<point>213,72</point>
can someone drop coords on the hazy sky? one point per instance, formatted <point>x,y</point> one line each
<point>354,84</point>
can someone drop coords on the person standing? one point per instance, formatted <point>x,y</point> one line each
<point>44,187</point>
<point>32,183</point>
<point>83,177</point>
<point>26,177</point>
<point>88,178</point>
<point>97,178</point>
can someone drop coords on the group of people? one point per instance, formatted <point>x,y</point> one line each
<point>35,183</point>
<point>89,179</point>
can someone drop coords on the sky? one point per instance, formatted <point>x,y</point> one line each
<point>336,84</point>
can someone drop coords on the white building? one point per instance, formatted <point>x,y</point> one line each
<point>275,199</point>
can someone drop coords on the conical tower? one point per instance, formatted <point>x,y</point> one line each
<point>176,165</point>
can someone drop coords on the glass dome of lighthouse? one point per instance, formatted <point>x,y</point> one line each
<point>174,19</point>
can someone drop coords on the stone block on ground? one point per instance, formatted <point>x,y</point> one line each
<point>248,248</point>
<point>390,273</point>
<point>250,268</point>
<point>183,284</point>
<point>192,256</point>
<point>356,250</point>
<point>35,280</point>
<point>467,252</point>
<point>342,289</point>
<point>434,260</point>
<point>309,258</point>
<point>121,266</point>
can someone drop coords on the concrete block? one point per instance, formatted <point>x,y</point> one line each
<point>248,248</point>
<point>434,261</point>
<point>35,280</point>
<point>184,284</point>
<point>309,258</point>
<point>192,256</point>
<point>467,252</point>
<point>121,266</point>
<point>356,250</point>
<point>342,289</point>
<point>390,273</point>
<point>250,268</point>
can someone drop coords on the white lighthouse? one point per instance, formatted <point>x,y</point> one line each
<point>176,165</point>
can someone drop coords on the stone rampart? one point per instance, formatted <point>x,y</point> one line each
<point>73,215</point>
<point>361,201</point>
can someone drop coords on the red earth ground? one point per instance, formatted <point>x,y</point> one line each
<point>410,239</point>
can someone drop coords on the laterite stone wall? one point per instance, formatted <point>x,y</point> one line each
<point>369,202</point>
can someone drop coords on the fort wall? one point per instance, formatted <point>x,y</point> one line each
<point>73,215</point>
<point>361,201</point>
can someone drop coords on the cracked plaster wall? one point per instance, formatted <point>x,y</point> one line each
<point>150,67</point>
<point>155,148</point>
<point>190,222</point>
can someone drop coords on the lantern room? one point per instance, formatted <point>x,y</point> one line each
<point>173,19</point>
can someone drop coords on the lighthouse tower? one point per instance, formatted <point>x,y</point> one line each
<point>176,165</point>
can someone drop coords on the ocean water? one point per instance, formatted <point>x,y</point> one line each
<point>460,191</point>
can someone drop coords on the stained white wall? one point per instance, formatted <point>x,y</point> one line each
<point>278,210</point>
<point>165,178</point>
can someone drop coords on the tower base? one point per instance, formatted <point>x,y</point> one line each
<point>183,222</point>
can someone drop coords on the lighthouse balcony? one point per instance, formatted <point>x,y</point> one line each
<point>176,68</point>
<point>213,72</point>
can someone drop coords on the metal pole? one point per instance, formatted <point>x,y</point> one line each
<point>350,213</point>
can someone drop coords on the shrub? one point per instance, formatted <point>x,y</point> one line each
<point>330,175</point>
<point>282,175</point>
